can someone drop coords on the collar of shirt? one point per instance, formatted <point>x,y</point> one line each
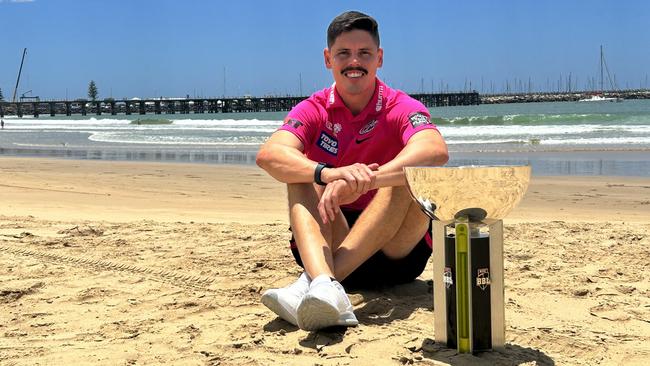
<point>374,106</point>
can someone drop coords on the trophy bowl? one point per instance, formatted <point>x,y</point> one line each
<point>484,194</point>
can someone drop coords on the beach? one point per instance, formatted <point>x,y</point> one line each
<point>115,262</point>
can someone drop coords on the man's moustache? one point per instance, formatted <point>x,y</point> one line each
<point>354,69</point>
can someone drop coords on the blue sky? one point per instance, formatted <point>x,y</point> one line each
<point>149,48</point>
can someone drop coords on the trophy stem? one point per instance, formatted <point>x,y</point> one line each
<point>462,284</point>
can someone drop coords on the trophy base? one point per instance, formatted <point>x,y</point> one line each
<point>468,287</point>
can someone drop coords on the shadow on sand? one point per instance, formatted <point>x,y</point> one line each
<point>383,305</point>
<point>387,304</point>
<point>512,354</point>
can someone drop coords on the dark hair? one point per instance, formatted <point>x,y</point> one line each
<point>351,20</point>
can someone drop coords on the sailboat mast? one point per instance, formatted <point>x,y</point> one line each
<point>13,100</point>
<point>601,68</point>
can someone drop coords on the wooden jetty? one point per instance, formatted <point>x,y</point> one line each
<point>192,105</point>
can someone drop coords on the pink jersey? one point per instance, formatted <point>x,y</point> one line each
<point>332,135</point>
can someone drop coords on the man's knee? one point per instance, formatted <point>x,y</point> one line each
<point>300,189</point>
<point>303,194</point>
<point>413,228</point>
<point>397,199</point>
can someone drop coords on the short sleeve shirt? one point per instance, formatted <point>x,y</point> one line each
<point>331,134</point>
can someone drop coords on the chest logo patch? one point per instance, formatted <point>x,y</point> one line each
<point>328,143</point>
<point>334,127</point>
<point>368,127</point>
<point>418,119</point>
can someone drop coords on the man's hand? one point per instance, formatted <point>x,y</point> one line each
<point>360,177</point>
<point>336,193</point>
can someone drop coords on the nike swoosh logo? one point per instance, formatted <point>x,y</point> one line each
<point>362,140</point>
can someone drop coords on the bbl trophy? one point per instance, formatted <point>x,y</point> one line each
<point>467,205</point>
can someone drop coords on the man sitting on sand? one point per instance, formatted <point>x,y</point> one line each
<point>341,153</point>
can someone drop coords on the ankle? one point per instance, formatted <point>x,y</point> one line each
<point>324,278</point>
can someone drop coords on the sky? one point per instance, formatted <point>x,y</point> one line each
<point>172,48</point>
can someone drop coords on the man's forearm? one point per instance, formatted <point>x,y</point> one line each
<point>286,164</point>
<point>418,153</point>
<point>389,179</point>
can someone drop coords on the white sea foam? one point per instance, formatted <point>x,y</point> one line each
<point>226,122</point>
<point>500,130</point>
<point>252,125</point>
<point>191,130</point>
<point>598,141</point>
<point>122,138</point>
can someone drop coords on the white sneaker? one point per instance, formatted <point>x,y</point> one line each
<point>284,301</point>
<point>325,305</point>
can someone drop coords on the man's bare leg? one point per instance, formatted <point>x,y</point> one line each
<point>314,239</point>
<point>392,222</point>
<point>326,303</point>
<point>314,243</point>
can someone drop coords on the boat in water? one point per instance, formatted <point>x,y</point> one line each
<point>599,96</point>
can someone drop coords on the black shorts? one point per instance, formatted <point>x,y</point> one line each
<point>379,270</point>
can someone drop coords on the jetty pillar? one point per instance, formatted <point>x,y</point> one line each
<point>2,111</point>
<point>83,108</point>
<point>52,109</point>
<point>128,108</point>
<point>198,106</point>
<point>171,107</point>
<point>35,109</point>
<point>142,107</point>
<point>157,107</point>
<point>99,108</point>
<point>68,107</point>
<point>113,108</point>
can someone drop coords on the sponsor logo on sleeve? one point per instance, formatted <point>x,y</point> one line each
<point>418,119</point>
<point>328,143</point>
<point>483,278</point>
<point>292,122</point>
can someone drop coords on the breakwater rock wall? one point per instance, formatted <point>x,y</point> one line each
<point>560,97</point>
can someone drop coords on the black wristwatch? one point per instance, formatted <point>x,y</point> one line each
<point>317,173</point>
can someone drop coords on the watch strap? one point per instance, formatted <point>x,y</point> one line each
<point>317,173</point>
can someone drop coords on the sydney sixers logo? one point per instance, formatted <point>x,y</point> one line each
<point>334,127</point>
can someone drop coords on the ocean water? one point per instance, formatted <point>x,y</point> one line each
<point>604,138</point>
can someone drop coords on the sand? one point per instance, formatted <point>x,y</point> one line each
<point>148,263</point>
